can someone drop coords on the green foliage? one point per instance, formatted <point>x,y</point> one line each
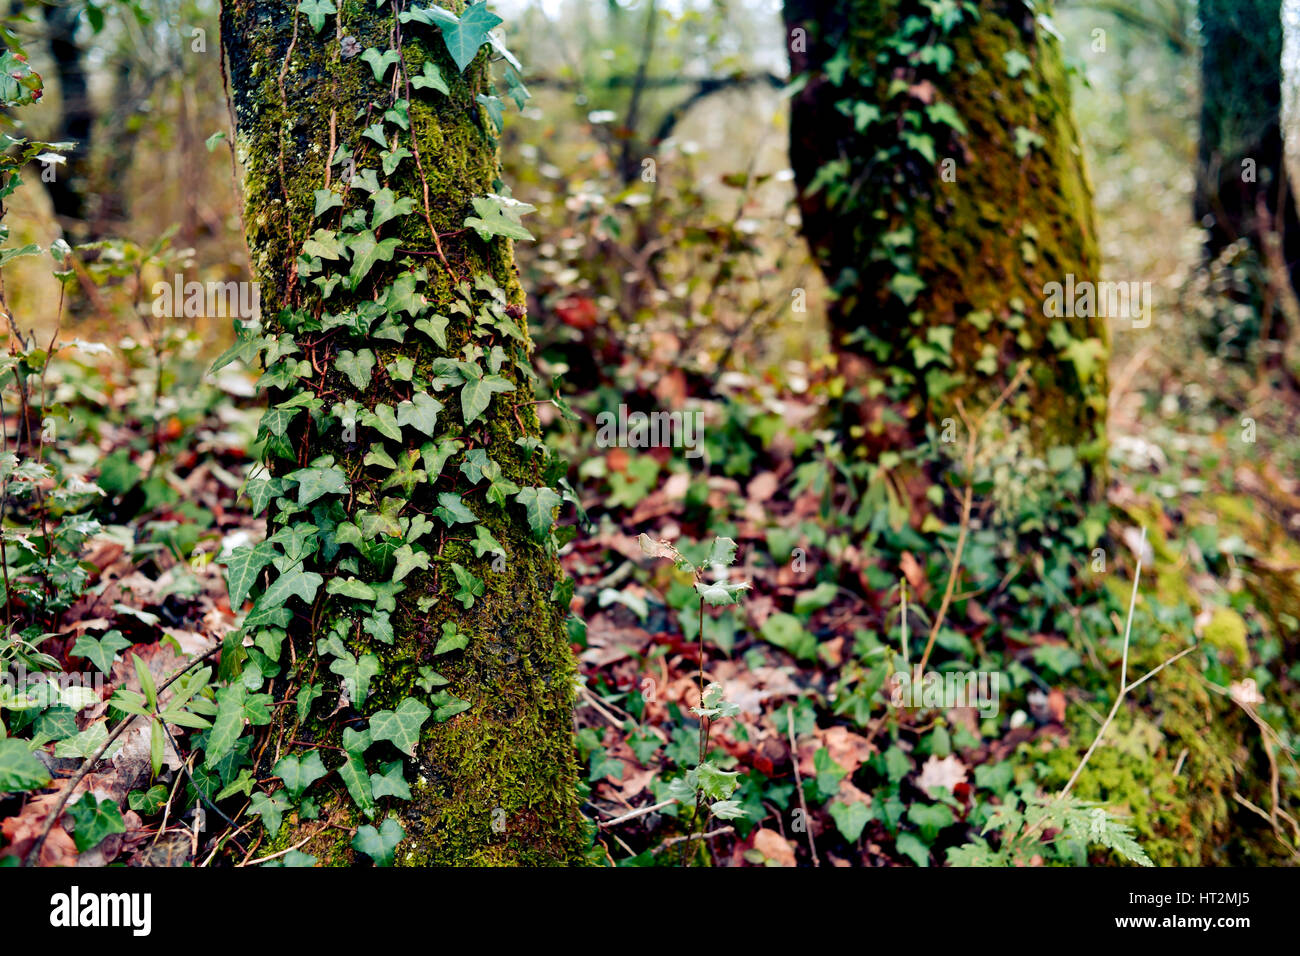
<point>93,820</point>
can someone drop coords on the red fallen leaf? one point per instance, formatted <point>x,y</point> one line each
<point>616,459</point>
<point>1056,704</point>
<point>21,833</point>
<point>577,312</point>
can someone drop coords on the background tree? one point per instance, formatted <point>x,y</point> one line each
<point>942,187</point>
<point>412,517</point>
<point>1241,187</point>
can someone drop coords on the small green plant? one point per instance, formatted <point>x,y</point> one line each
<point>706,781</point>
<point>1076,823</point>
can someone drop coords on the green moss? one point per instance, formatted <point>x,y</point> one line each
<point>1170,764</point>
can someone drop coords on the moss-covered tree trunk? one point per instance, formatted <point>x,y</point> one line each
<point>942,189</point>
<point>411,554</point>
<point>1240,183</point>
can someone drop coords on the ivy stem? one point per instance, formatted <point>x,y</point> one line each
<point>704,748</point>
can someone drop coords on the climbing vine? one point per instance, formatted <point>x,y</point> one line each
<point>388,456</point>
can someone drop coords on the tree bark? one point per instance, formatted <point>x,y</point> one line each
<point>495,784</point>
<point>69,188</point>
<point>942,188</point>
<point>1240,192</point>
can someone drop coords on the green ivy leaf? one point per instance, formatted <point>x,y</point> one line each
<point>850,818</point>
<point>387,206</point>
<point>324,244</point>
<point>484,543</point>
<point>93,820</point>
<point>421,413</point>
<point>431,76</point>
<point>539,506</point>
<point>446,706</point>
<point>380,62</point>
<point>452,639</point>
<point>357,780</point>
<point>494,108</point>
<point>466,35</point>
<point>390,783</point>
<point>476,394</point>
<point>451,509</point>
<point>405,475</point>
<point>19,769</point>
<point>101,652</point>
<point>242,568</point>
<point>390,159</point>
<point>357,366</point>
<point>316,11</point>
<point>350,588</point>
<point>499,216</point>
<point>408,559</point>
<point>326,199</point>
<point>401,726</point>
<point>227,725</point>
<point>906,287</point>
<point>436,456</point>
<point>299,773</point>
<point>356,674</point>
<point>270,809</point>
<point>470,586</point>
<point>403,297</point>
<point>435,327</point>
<point>379,844</point>
<point>366,251</point>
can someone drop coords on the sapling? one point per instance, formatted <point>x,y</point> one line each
<point>706,781</point>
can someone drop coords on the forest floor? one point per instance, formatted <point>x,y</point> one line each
<point>827,771</point>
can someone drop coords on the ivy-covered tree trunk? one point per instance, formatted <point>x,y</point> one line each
<point>411,558</point>
<point>942,190</point>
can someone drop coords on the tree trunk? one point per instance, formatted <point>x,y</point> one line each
<point>496,783</point>
<point>70,185</point>
<point>942,189</point>
<point>1240,190</point>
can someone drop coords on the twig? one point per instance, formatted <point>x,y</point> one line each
<point>968,465</point>
<point>636,813</point>
<point>1124,685</point>
<point>798,784</point>
<point>694,836</point>
<point>278,853</point>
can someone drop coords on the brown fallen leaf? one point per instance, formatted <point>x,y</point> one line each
<point>774,847</point>
<point>762,487</point>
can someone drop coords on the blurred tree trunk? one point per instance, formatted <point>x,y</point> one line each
<point>1241,188</point>
<point>495,784</point>
<point>942,188</point>
<point>69,186</point>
